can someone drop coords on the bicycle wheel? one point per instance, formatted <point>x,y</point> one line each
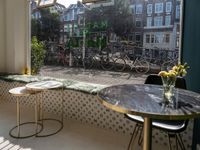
<point>88,62</point>
<point>119,64</point>
<point>65,61</point>
<point>141,66</point>
<point>107,63</point>
<point>167,65</point>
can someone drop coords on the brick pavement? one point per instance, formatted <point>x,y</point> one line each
<point>93,76</point>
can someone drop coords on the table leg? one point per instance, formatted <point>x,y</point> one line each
<point>18,117</point>
<point>147,133</point>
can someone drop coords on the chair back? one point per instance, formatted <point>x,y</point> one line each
<point>156,79</point>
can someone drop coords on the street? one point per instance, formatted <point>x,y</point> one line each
<point>93,76</point>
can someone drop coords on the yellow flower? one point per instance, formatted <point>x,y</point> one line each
<point>177,70</point>
<point>163,73</point>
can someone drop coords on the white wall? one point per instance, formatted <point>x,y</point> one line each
<point>16,35</point>
<point>2,36</point>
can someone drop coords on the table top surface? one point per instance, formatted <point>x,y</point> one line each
<point>19,91</point>
<point>147,101</point>
<point>44,85</point>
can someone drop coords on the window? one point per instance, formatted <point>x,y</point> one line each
<point>152,38</point>
<point>138,23</point>
<point>158,37</point>
<point>148,38</point>
<point>158,7</point>
<point>137,37</point>
<point>149,21</point>
<point>167,38</point>
<point>168,7</point>
<point>149,9</point>
<point>158,21</point>
<point>167,20</point>
<point>139,9</point>
<point>177,11</point>
<point>132,7</point>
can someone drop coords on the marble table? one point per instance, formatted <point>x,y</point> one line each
<point>147,101</point>
<point>43,86</point>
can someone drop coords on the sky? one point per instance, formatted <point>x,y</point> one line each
<point>67,2</point>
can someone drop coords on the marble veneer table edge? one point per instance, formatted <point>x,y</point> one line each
<point>152,115</point>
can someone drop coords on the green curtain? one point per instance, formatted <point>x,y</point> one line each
<point>191,43</point>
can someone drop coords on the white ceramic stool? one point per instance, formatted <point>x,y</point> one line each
<point>21,92</point>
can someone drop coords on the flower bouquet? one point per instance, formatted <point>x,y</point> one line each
<point>169,80</point>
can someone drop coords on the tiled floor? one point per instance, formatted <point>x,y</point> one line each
<point>74,136</point>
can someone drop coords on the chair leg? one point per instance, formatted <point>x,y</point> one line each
<point>180,141</point>
<point>134,135</point>
<point>169,141</point>
<point>140,139</point>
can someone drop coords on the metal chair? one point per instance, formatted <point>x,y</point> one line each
<point>173,128</point>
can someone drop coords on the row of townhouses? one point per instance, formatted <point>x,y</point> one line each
<point>156,23</point>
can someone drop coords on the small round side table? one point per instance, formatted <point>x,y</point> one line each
<point>21,92</point>
<point>43,86</point>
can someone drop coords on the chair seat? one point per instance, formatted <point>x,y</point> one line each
<point>168,125</point>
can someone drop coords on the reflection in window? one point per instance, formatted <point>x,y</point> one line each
<point>137,37</point>
<point>152,38</point>
<point>167,20</point>
<point>149,9</point>
<point>159,8</point>
<point>139,9</point>
<point>158,38</point>
<point>149,21</point>
<point>167,38</point>
<point>147,38</point>
<point>177,11</point>
<point>158,21</point>
<point>138,23</point>
<point>132,7</point>
<point>168,7</point>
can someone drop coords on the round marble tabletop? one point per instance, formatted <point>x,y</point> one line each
<point>44,85</point>
<point>147,101</point>
<point>19,91</point>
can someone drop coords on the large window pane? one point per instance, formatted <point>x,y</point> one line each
<point>93,36</point>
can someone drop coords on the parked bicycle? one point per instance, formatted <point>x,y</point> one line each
<point>139,64</point>
<point>62,55</point>
<point>101,59</point>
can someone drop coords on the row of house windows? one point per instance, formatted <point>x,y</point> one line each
<point>157,38</point>
<point>158,21</point>
<point>159,8</point>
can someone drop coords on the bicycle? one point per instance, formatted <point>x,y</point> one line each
<point>140,65</point>
<point>101,59</point>
<point>62,57</point>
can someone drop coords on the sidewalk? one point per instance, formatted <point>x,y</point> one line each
<point>93,76</point>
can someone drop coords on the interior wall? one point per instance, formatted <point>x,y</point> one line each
<point>2,36</point>
<point>15,37</point>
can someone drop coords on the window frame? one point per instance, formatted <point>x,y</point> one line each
<point>157,22</point>
<point>168,20</point>
<point>168,10</point>
<point>137,9</point>
<point>149,9</point>
<point>159,8</point>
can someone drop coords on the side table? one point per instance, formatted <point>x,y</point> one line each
<point>21,92</point>
<point>44,86</point>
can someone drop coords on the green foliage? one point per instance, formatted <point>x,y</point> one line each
<point>47,28</point>
<point>116,18</point>
<point>37,55</point>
